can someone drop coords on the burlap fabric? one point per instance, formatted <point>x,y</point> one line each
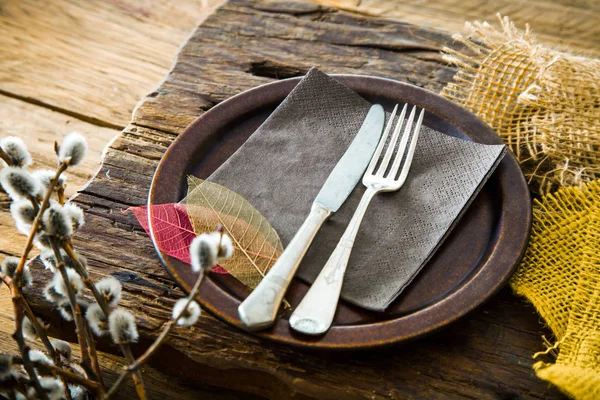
<point>560,274</point>
<point>546,106</point>
<point>543,103</point>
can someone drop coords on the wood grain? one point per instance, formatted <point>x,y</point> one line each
<point>91,59</point>
<point>569,25</point>
<point>39,128</point>
<point>246,43</point>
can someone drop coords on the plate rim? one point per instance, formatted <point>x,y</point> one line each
<point>380,333</point>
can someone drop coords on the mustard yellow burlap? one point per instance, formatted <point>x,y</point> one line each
<point>546,106</point>
<point>544,103</point>
<point>560,275</point>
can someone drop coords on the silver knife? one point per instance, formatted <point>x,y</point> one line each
<point>259,310</point>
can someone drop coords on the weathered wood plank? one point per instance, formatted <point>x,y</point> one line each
<point>159,385</point>
<point>484,356</point>
<point>39,127</point>
<point>91,59</point>
<point>566,24</point>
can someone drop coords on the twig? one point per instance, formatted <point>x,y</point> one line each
<point>36,223</point>
<point>20,304</point>
<point>80,269</point>
<point>24,349</point>
<point>137,376</point>
<point>79,323</point>
<point>17,297</point>
<point>93,353</point>
<point>157,342</point>
<point>68,247</point>
<point>4,156</point>
<point>95,387</point>
<point>16,287</point>
<point>115,387</point>
<point>60,194</point>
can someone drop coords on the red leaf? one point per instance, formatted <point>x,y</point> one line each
<point>173,231</point>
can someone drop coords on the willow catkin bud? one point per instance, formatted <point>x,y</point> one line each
<point>38,356</point>
<point>72,149</point>
<point>19,183</point>
<point>204,251</point>
<point>121,324</point>
<point>78,392</point>
<point>187,315</point>
<point>97,319</point>
<point>29,331</point>
<point>110,288</point>
<point>63,348</point>
<point>74,280</point>
<point>9,267</point>
<point>44,176</point>
<point>52,295</point>
<point>53,387</point>
<point>56,222</point>
<point>41,240</point>
<point>75,214</point>
<point>49,260</point>
<point>22,212</point>
<point>225,248</point>
<point>24,229</point>
<point>66,311</point>
<point>16,151</point>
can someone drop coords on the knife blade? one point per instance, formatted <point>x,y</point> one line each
<point>259,310</point>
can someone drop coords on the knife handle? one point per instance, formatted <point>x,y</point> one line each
<point>259,310</point>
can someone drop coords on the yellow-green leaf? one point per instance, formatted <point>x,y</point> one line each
<point>256,243</point>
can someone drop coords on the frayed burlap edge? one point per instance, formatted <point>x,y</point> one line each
<point>545,104</point>
<point>560,275</point>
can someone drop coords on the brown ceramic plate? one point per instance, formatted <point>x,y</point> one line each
<point>474,262</point>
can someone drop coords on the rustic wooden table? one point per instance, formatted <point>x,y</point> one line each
<point>82,66</point>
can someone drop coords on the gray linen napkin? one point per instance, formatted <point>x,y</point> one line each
<point>282,166</point>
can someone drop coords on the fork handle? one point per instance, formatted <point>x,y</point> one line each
<point>259,310</point>
<point>314,314</point>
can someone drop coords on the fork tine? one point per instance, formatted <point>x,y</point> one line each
<point>402,147</point>
<point>388,154</point>
<point>411,150</point>
<point>382,141</point>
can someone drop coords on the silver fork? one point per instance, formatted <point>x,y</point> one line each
<point>314,314</point>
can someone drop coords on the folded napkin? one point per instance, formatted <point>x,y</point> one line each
<point>282,166</point>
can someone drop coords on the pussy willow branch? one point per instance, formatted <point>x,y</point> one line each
<point>16,287</point>
<point>165,332</point>
<point>125,348</point>
<point>157,342</point>
<point>80,269</point>
<point>20,305</point>
<point>137,378</point>
<point>21,382</point>
<point>24,349</point>
<point>94,387</point>
<point>68,247</point>
<point>79,327</point>
<point>93,353</point>
<point>36,222</point>
<point>22,302</point>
